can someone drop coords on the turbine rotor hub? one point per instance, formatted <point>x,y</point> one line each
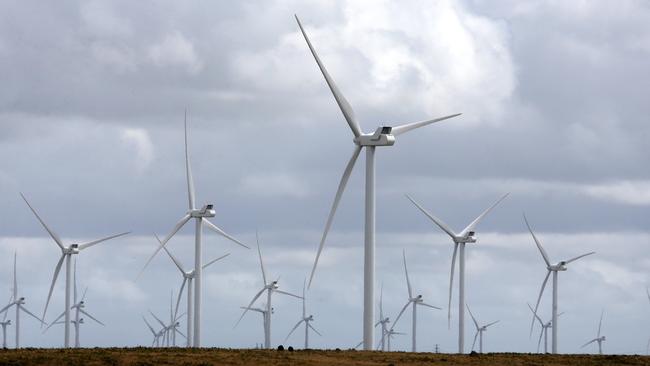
<point>206,211</point>
<point>381,137</point>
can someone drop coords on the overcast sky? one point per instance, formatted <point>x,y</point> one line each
<point>554,96</point>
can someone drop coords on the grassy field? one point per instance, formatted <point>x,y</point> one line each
<point>179,356</point>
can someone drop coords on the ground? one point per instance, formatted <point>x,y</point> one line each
<point>214,356</point>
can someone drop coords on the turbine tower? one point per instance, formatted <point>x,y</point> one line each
<point>305,318</point>
<point>270,288</point>
<point>188,277</point>
<point>468,235</point>
<point>554,268</point>
<point>544,331</point>
<point>413,301</point>
<point>479,331</point>
<point>600,339</point>
<point>261,310</point>
<point>383,136</point>
<point>201,216</point>
<point>66,254</point>
<point>19,303</point>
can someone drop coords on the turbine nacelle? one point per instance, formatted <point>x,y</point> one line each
<point>561,266</point>
<point>21,301</point>
<point>72,249</point>
<point>206,211</point>
<point>417,299</point>
<point>470,237</point>
<point>381,137</point>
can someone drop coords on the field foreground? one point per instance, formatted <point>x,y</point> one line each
<point>214,356</point>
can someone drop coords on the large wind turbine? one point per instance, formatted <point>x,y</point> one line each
<point>19,303</point>
<point>188,277</point>
<point>414,301</point>
<point>600,339</point>
<point>270,288</point>
<point>554,268</point>
<point>66,254</point>
<point>479,331</point>
<point>201,215</point>
<point>306,319</point>
<point>383,136</point>
<point>468,235</point>
<point>261,310</point>
<point>544,331</point>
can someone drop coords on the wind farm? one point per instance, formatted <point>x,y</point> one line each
<point>123,124</point>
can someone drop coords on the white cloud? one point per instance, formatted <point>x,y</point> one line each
<point>139,139</point>
<point>274,185</point>
<point>626,192</point>
<point>176,51</point>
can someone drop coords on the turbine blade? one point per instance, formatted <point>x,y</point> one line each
<point>451,284</point>
<point>178,226</point>
<point>287,293</point>
<point>600,323</point>
<point>335,204</point>
<point>400,314</point>
<point>494,322</point>
<point>217,230</point>
<point>588,343</point>
<point>314,329</point>
<point>345,107</point>
<point>179,332</point>
<point>170,255</point>
<point>293,329</point>
<point>83,296</point>
<point>480,217</point>
<point>474,343</point>
<point>249,305</point>
<point>188,171</point>
<point>157,319</point>
<point>32,315</point>
<point>180,294</point>
<point>473,318</point>
<point>398,130</point>
<point>54,277</point>
<point>539,341</point>
<point>535,314</point>
<point>215,260</point>
<point>91,317</point>
<point>406,271</point>
<point>578,257</point>
<point>435,220</point>
<point>381,303</point>
<point>539,298</point>
<point>95,242</point>
<point>259,253</point>
<point>429,306</point>
<point>15,289</point>
<point>74,280</point>
<point>149,326</point>
<point>52,233</point>
<point>56,320</point>
<point>4,310</point>
<point>539,245</point>
<point>304,298</point>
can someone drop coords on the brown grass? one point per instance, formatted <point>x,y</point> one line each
<point>214,356</point>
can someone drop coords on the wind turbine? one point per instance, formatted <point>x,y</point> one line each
<point>414,301</point>
<point>305,318</point>
<point>390,334</point>
<point>600,339</point>
<point>270,288</point>
<point>468,235</point>
<point>156,335</point>
<point>554,268</point>
<point>262,311</point>
<point>383,136</point>
<point>188,277</point>
<point>19,303</point>
<point>4,324</point>
<point>383,320</point>
<point>479,331</point>
<point>66,254</point>
<point>201,215</point>
<point>544,331</point>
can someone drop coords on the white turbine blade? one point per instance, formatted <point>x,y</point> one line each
<point>494,322</point>
<point>188,171</point>
<point>215,260</point>
<point>480,217</point>
<point>335,204</point>
<point>52,233</point>
<point>178,226</point>
<point>287,293</point>
<point>54,277</point>
<point>56,320</point>
<point>314,329</point>
<point>32,315</point>
<point>647,290</point>
<point>406,272</point>
<point>74,280</point>
<point>400,314</point>
<point>249,305</point>
<point>259,254</point>
<point>539,341</point>
<point>293,329</point>
<point>358,345</point>
<point>304,298</point>
<point>217,230</point>
<point>179,332</point>
<point>451,284</point>
<point>539,245</point>
<point>435,220</point>
<point>95,242</point>
<point>6,308</point>
<point>539,298</point>
<point>171,256</point>
<point>149,326</point>
<point>15,289</point>
<point>600,323</point>
<point>578,257</point>
<point>91,317</point>
<point>381,303</point>
<point>429,306</point>
<point>178,300</point>
<point>158,320</point>
<point>398,130</point>
<point>473,318</point>
<point>474,343</point>
<point>251,309</point>
<point>83,296</point>
<point>398,333</point>
<point>535,314</point>
<point>345,107</point>
<point>588,343</point>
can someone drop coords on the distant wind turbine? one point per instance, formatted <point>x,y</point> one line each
<point>383,320</point>
<point>261,310</point>
<point>306,319</point>
<point>554,268</point>
<point>600,339</point>
<point>468,235</point>
<point>414,301</point>
<point>544,331</point>
<point>156,335</point>
<point>66,254</point>
<point>479,331</point>
<point>383,136</point>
